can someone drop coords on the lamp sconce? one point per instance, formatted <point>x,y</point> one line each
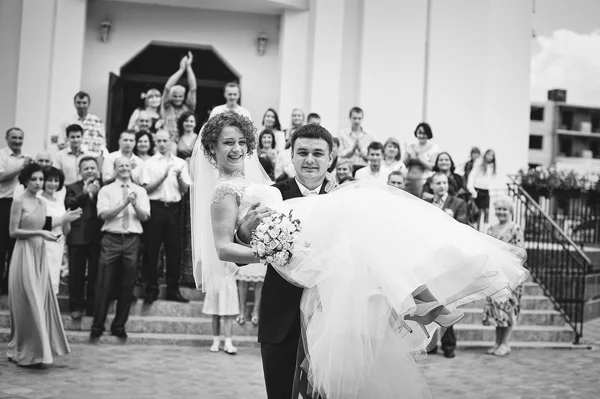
<point>261,43</point>
<point>105,27</point>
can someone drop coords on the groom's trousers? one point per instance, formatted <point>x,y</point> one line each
<point>279,364</point>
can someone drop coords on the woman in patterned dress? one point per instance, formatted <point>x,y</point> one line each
<point>504,315</point>
<point>187,139</point>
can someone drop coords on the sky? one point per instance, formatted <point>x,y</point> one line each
<point>566,50</point>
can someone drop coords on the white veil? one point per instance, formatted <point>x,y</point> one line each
<point>209,271</point>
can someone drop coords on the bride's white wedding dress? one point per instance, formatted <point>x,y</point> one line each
<point>361,253</point>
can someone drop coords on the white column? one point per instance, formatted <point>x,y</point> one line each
<point>293,64</point>
<point>67,61</point>
<point>392,67</point>
<point>479,78</point>
<point>326,61</point>
<point>10,32</point>
<point>49,73</point>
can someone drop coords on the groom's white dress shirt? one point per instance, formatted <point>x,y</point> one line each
<point>306,192</point>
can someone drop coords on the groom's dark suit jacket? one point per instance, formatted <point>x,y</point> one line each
<point>280,303</point>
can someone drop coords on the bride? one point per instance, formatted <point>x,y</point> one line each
<point>375,291</point>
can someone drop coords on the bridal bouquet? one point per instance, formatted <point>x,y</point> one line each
<point>273,240</point>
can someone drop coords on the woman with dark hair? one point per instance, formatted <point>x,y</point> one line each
<point>144,145</point>
<point>186,126</point>
<point>419,159</point>
<point>271,122</point>
<point>54,180</point>
<point>456,184</point>
<point>267,154</point>
<point>481,179</point>
<point>36,329</point>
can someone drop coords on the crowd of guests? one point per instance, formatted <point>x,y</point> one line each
<point>112,212</point>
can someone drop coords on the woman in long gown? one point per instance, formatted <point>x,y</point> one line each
<point>55,208</point>
<point>36,333</point>
<point>359,306</point>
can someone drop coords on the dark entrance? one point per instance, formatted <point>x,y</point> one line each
<point>151,68</point>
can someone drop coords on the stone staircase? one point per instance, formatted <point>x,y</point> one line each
<point>171,323</point>
<point>540,325</point>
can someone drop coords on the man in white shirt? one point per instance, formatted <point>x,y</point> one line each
<point>355,141</point>
<point>91,124</point>
<point>68,158</point>
<point>12,162</point>
<point>375,171</point>
<point>126,146</point>
<point>123,205</point>
<point>166,178</point>
<point>232,96</point>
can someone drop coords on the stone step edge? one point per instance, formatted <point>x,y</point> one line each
<point>523,311</point>
<point>75,337</point>
<point>520,327</point>
<point>81,337</point>
<point>523,297</point>
<point>525,345</point>
<point>208,318</point>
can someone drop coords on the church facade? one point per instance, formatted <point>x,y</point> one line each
<point>461,65</point>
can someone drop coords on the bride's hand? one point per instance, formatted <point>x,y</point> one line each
<point>252,219</point>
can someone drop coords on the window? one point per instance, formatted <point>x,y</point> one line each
<point>536,142</point>
<point>536,113</point>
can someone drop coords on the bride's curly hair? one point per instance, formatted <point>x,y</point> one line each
<point>215,125</point>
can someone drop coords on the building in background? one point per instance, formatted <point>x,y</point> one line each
<point>564,135</point>
<point>452,63</point>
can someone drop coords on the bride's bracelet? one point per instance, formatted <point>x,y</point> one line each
<point>239,241</point>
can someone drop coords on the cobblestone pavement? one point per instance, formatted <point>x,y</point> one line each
<point>132,371</point>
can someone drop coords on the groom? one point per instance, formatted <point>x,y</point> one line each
<point>279,331</point>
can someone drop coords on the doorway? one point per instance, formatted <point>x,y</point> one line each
<point>151,68</point>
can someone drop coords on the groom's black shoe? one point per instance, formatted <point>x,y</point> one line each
<point>176,297</point>
<point>94,337</point>
<point>119,333</point>
<point>449,354</point>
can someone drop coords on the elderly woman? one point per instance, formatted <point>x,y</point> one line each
<point>504,315</point>
<point>174,102</point>
<point>419,159</point>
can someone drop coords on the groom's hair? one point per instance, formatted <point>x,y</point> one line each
<point>313,132</point>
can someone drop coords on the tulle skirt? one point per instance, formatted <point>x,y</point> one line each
<point>361,253</point>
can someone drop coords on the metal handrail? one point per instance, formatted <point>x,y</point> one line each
<point>563,279</point>
<point>550,220</point>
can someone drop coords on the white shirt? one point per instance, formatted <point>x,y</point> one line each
<point>68,162</point>
<point>219,109</point>
<point>155,167</point>
<point>92,127</point>
<point>306,192</point>
<point>112,195</point>
<point>366,174</point>
<point>108,165</point>
<point>9,161</point>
